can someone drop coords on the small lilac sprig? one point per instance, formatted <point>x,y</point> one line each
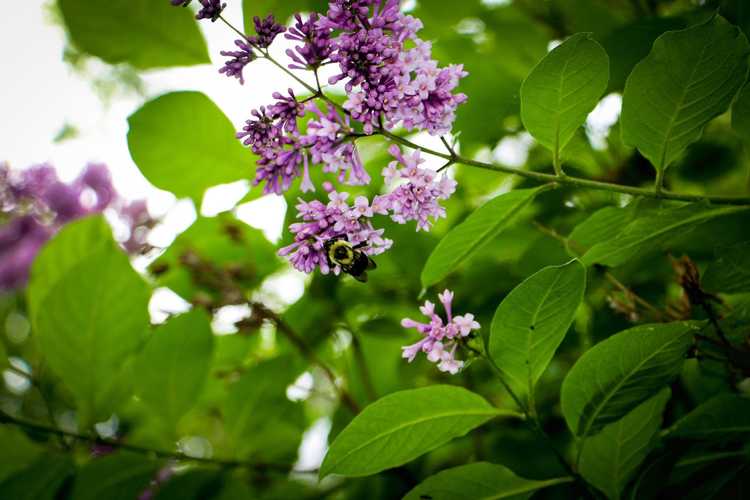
<point>440,340</point>
<point>417,197</point>
<point>324,221</point>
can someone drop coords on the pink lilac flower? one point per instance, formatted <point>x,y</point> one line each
<point>321,222</point>
<point>417,198</point>
<point>440,339</point>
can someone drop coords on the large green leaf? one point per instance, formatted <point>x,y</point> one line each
<point>90,322</point>
<point>183,143</point>
<point>171,370</point>
<point>609,459</point>
<point>741,114</point>
<point>621,372</point>
<point>730,272</point>
<point>473,233</point>
<point>195,484</point>
<point>18,451</point>
<point>74,243</point>
<point>41,480</point>
<point>120,476</point>
<point>646,233</point>
<point>143,33</point>
<point>532,320</point>
<point>478,481</point>
<point>689,77</point>
<point>562,89</point>
<point>404,425</point>
<point>281,9</point>
<point>724,416</point>
<point>262,423</point>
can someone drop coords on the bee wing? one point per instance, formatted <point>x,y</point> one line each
<point>371,264</point>
<point>362,278</point>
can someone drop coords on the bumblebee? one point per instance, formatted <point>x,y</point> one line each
<point>349,257</point>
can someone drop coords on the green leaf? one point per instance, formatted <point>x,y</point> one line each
<point>689,77</point>
<point>143,33</point>
<point>724,416</point>
<point>741,114</point>
<point>730,271</point>
<point>621,372</point>
<point>404,425</point>
<point>90,322</point>
<point>609,459</point>
<point>647,233</point>
<point>281,9</point>
<point>74,243</point>
<point>183,143</point>
<point>120,476</point>
<point>262,423</point>
<point>562,89</point>
<point>171,370</point>
<point>196,484</point>
<point>39,481</point>
<point>18,450</point>
<point>478,481</point>
<point>532,321</point>
<point>479,228</point>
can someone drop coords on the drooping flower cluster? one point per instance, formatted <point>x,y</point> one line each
<point>440,340</point>
<point>34,204</point>
<point>210,9</point>
<point>417,197</point>
<point>322,222</point>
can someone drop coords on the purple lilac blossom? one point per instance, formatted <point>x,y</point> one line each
<point>316,43</point>
<point>266,30</point>
<point>211,9</point>
<point>34,204</point>
<point>417,197</point>
<point>238,60</point>
<point>322,222</point>
<point>440,339</point>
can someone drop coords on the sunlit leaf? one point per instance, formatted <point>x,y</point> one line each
<point>562,89</point>
<point>532,320</point>
<point>172,368</point>
<point>609,459</point>
<point>183,143</point>
<point>689,77</point>
<point>473,233</point>
<point>478,481</point>
<point>404,425</point>
<point>621,372</point>
<point>143,33</point>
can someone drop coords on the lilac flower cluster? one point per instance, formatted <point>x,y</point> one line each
<point>440,339</point>
<point>417,198</point>
<point>210,9</point>
<point>34,204</point>
<point>324,221</point>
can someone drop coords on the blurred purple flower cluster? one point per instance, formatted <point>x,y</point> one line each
<point>440,339</point>
<point>210,9</point>
<point>34,204</point>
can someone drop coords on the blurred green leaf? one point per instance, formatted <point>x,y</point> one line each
<point>741,115</point>
<point>562,89</point>
<point>645,234</point>
<point>18,451</point>
<point>609,459</point>
<point>479,228</point>
<point>281,9</point>
<point>120,476</point>
<point>598,390</point>
<point>404,425</point>
<point>262,424</point>
<point>41,480</point>
<point>143,33</point>
<point>196,484</point>
<point>171,370</point>
<point>183,143</point>
<point>722,417</point>
<point>74,243</point>
<point>688,78</point>
<point>730,271</point>
<point>479,480</point>
<point>91,321</point>
<point>532,321</point>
